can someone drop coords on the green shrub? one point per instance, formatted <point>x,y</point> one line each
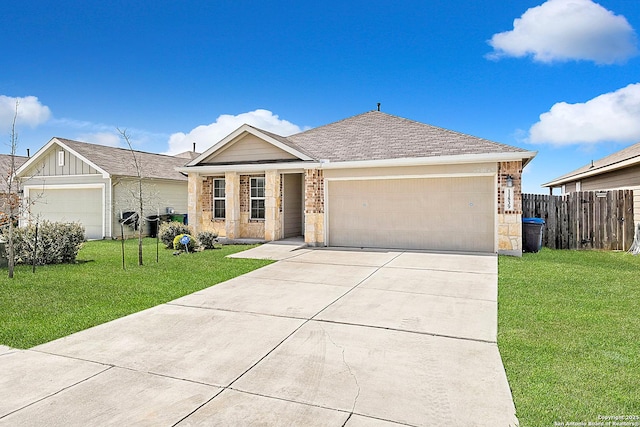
<point>191,246</point>
<point>169,230</point>
<point>207,239</point>
<point>58,242</point>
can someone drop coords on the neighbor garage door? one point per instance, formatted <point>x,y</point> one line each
<point>82,205</point>
<point>456,214</point>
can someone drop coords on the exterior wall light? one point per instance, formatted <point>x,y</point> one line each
<point>509,181</point>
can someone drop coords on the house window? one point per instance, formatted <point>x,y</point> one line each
<point>219,205</point>
<point>578,186</point>
<point>257,198</point>
<point>61,158</point>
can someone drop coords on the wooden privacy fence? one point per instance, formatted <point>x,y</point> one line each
<point>584,220</point>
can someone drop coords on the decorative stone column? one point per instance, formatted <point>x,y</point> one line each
<point>314,207</point>
<point>232,204</point>
<point>194,201</point>
<point>510,221</point>
<point>273,200</point>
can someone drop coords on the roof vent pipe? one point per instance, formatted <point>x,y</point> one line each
<point>28,153</point>
<point>378,106</point>
<point>194,147</point>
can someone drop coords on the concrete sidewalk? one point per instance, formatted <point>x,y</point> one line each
<point>323,337</point>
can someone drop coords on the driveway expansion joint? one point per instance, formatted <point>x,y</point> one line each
<point>386,328</point>
<point>57,392</point>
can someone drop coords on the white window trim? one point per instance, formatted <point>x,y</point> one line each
<point>214,199</point>
<point>251,198</point>
<point>578,185</point>
<point>61,158</point>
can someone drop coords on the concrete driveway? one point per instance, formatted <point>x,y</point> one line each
<point>323,337</point>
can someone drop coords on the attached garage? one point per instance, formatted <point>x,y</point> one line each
<point>71,204</point>
<point>451,213</point>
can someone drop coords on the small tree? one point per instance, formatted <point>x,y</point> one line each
<point>140,196</point>
<point>10,201</point>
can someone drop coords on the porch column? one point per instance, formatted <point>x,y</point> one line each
<point>232,204</point>
<point>314,207</point>
<point>194,201</point>
<point>272,203</point>
<point>510,221</point>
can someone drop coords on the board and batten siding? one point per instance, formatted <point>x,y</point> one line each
<point>249,149</point>
<point>49,165</point>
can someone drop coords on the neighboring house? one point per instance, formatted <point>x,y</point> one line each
<point>618,171</point>
<point>5,170</point>
<point>92,184</point>
<point>8,195</point>
<point>372,180</point>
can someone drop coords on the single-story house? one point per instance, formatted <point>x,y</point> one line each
<point>6,170</point>
<point>372,180</point>
<point>95,185</point>
<point>8,195</point>
<point>618,171</point>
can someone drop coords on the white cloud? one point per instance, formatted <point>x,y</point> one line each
<point>30,111</point>
<point>611,117</point>
<point>564,30</point>
<point>110,139</point>
<point>206,135</point>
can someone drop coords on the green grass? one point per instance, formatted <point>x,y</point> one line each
<point>569,334</point>
<point>59,300</point>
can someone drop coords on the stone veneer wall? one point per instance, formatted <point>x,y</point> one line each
<point>314,207</point>
<point>510,222</point>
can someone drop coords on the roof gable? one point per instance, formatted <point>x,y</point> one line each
<point>45,162</point>
<point>248,144</point>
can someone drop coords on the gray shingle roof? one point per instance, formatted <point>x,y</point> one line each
<point>5,167</point>
<point>628,153</point>
<point>377,136</point>
<point>119,161</point>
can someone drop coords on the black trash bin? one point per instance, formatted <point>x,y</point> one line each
<point>532,234</point>
<point>154,224</point>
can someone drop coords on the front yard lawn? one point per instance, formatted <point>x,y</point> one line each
<point>569,336</point>
<point>59,300</point>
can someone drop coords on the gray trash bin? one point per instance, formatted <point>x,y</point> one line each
<point>532,234</point>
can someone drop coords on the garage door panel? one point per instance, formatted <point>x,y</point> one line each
<point>418,213</point>
<point>83,205</point>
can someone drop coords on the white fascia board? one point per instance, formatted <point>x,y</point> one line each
<point>231,138</point>
<point>408,161</point>
<point>258,167</point>
<point>427,161</point>
<point>592,172</point>
<point>44,149</point>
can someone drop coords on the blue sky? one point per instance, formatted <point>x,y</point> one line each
<point>560,77</point>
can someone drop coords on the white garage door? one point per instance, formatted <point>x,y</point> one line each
<point>455,214</point>
<point>82,205</point>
